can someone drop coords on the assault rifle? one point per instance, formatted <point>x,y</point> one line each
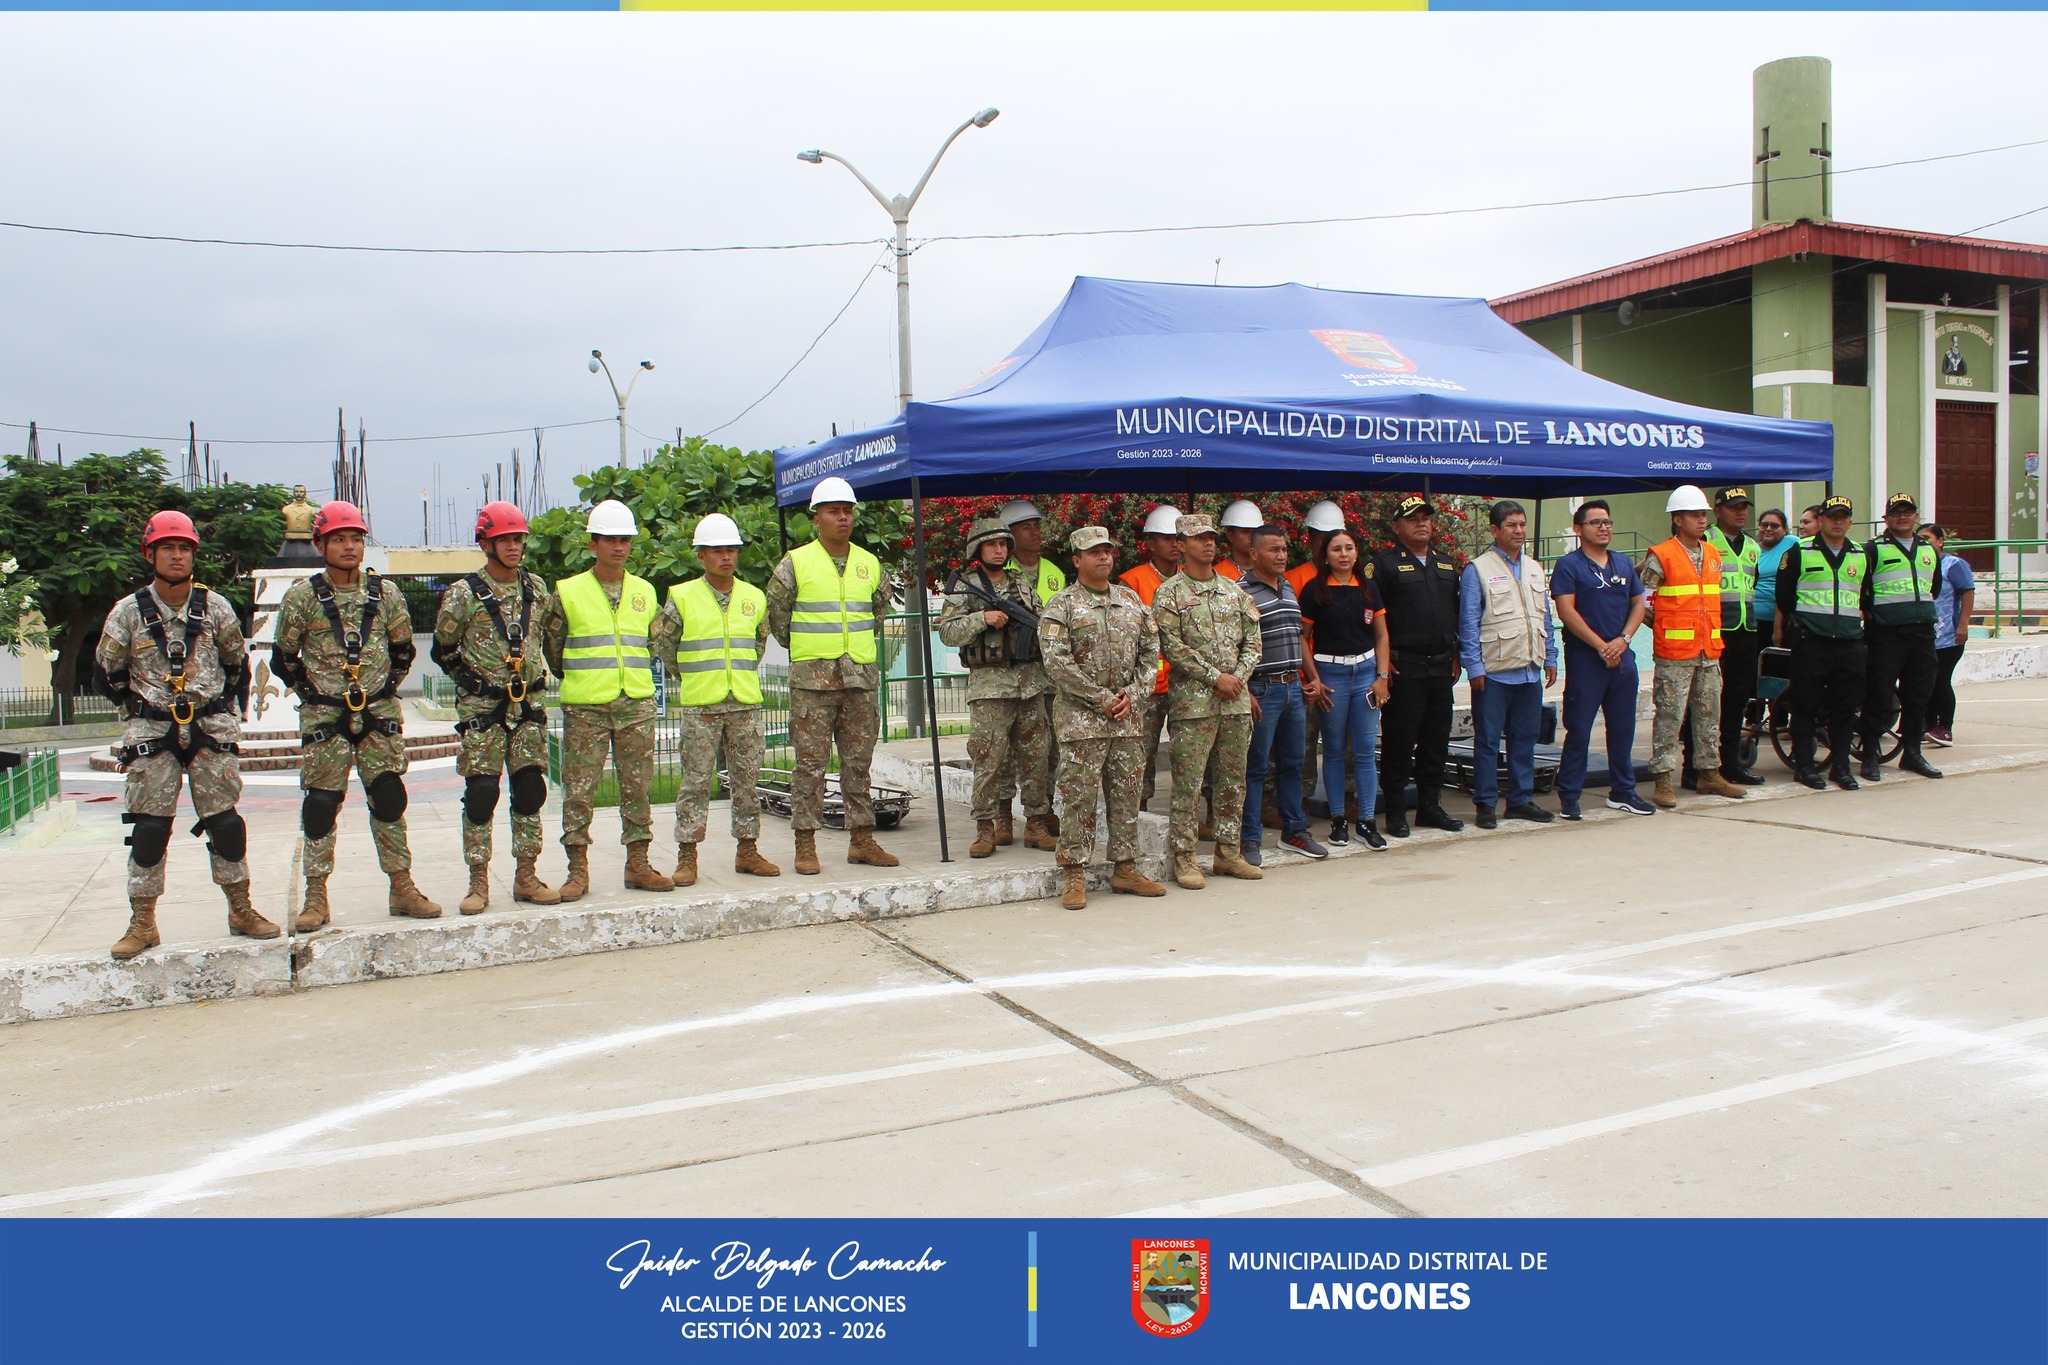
<point>1020,636</point>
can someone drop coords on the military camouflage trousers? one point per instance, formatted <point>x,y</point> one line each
<point>1682,685</point>
<point>1006,782</point>
<point>1005,731</point>
<point>153,785</point>
<point>1113,768</point>
<point>705,731</point>
<point>1208,746</point>
<point>325,767</point>
<point>489,751</point>
<point>817,720</point>
<point>623,731</point>
<point>1154,726</point>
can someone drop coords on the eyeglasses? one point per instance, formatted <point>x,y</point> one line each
<point>1596,521</point>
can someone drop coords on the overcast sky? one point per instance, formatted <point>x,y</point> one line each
<point>639,130</point>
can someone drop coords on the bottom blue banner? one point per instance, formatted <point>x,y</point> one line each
<point>661,1289</point>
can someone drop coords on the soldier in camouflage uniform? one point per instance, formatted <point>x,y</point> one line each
<point>1209,633</point>
<point>344,643</point>
<point>1005,689</point>
<point>826,602</point>
<point>1101,653</point>
<point>481,639</point>
<point>170,657</point>
<point>710,635</point>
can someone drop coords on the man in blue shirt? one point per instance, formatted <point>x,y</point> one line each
<point>1774,536</point>
<point>1503,629</point>
<point>1955,599</point>
<point>1600,604</point>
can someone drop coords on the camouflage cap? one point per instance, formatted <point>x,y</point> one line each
<point>1195,524</point>
<point>1088,537</point>
<point>988,528</point>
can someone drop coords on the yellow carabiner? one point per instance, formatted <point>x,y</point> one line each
<point>186,702</point>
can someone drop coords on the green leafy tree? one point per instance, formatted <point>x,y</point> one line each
<point>77,529</point>
<point>21,625</point>
<point>675,490</point>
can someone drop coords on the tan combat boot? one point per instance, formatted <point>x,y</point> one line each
<point>1128,881</point>
<point>1052,823</point>
<point>642,875</point>
<point>807,852</point>
<point>577,883</point>
<point>1006,832</point>
<point>984,839</point>
<point>864,849</point>
<point>1713,784</point>
<point>141,928</point>
<point>1229,862</point>
<point>1664,795</point>
<point>1038,835</point>
<point>686,865</point>
<point>313,914</point>
<point>1187,873</point>
<point>479,898</point>
<point>750,861</point>
<point>1075,895</point>
<point>408,900</point>
<point>242,916</point>
<point>527,885</point>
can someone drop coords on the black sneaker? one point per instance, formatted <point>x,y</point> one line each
<point>1436,817</point>
<point>1339,835</point>
<point>1484,817</point>
<point>1370,836</point>
<point>1530,811</point>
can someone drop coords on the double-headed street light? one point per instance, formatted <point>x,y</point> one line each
<point>597,364</point>
<point>899,208</point>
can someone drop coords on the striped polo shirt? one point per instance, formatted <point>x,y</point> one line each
<point>1279,626</point>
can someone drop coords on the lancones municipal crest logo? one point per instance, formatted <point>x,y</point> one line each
<point>1366,350</point>
<point>1169,1284</point>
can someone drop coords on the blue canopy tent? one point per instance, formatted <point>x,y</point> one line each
<point>1177,389</point>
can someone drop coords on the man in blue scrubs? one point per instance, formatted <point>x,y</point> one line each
<point>1600,603</point>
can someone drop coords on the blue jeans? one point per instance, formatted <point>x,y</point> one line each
<point>1516,708</point>
<point>1280,733</point>
<point>1593,689</point>
<point>1351,733</point>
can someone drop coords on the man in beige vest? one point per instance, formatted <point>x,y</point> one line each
<point>1510,654</point>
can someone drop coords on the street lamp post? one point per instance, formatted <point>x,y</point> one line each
<point>597,363</point>
<point>898,208</point>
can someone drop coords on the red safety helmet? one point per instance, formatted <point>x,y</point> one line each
<point>169,526</point>
<point>499,519</point>
<point>338,516</point>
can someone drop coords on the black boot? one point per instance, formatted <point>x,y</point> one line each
<point>1915,762</point>
<point>1810,777</point>
<point>1397,821</point>
<point>1873,766</point>
<point>1839,774</point>
<point>1436,817</point>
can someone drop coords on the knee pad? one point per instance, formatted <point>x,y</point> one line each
<point>319,811</point>
<point>226,834</point>
<point>529,790</point>
<point>480,798</point>
<point>387,797</point>
<point>151,837</point>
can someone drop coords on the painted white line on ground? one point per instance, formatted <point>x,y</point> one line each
<point>1248,1201</point>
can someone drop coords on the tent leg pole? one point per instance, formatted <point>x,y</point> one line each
<point>782,525</point>
<point>931,699</point>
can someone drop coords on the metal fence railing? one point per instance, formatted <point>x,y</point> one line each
<point>2008,590</point>
<point>438,689</point>
<point>668,732</point>
<point>23,708</point>
<point>27,787</point>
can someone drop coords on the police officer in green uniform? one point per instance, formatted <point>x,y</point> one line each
<point>1899,595</point>
<point>1740,642</point>
<point>1820,615</point>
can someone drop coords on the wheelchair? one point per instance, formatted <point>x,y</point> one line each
<point>1769,714</point>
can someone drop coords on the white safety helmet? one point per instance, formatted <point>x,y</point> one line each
<point>717,529</point>
<point>1324,516</point>
<point>1020,510</point>
<point>834,489</point>
<point>611,518</point>
<point>1689,497</point>
<point>1162,520</point>
<point>1244,515</point>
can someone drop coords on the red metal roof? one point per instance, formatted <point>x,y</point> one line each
<point>2014,260</point>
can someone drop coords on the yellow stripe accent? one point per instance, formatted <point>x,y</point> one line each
<point>1034,1289</point>
<point>1680,590</point>
<point>1678,635</point>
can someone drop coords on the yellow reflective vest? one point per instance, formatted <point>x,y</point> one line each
<point>834,615</point>
<point>719,646</point>
<point>606,653</point>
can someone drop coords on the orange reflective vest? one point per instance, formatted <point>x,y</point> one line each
<point>1686,622</point>
<point>1144,581</point>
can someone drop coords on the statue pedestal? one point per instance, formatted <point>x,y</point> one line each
<point>273,707</point>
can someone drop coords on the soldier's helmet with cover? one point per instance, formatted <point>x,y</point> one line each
<point>1162,520</point>
<point>611,518</point>
<point>716,529</point>
<point>169,526</point>
<point>1687,497</point>
<point>338,516</point>
<point>834,489</point>
<point>1019,511</point>
<point>1324,516</point>
<point>495,519</point>
<point>985,530</point>
<point>1243,515</point>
